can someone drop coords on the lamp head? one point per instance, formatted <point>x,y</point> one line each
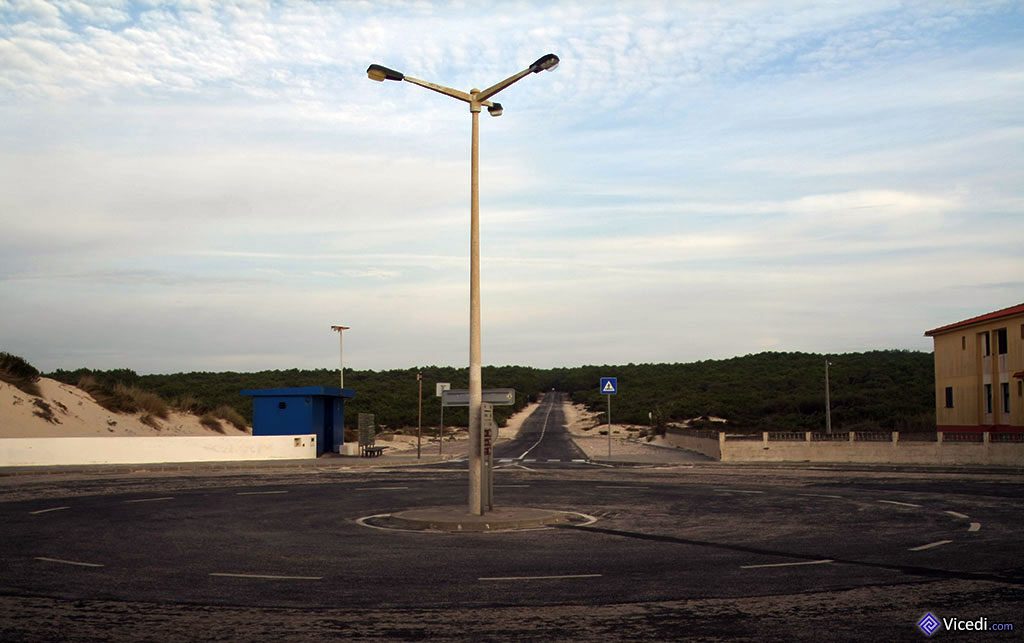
<point>495,109</point>
<point>544,63</point>
<point>382,73</point>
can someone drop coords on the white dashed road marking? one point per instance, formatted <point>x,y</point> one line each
<point>902,504</point>
<point>381,488</point>
<point>267,576</point>
<point>738,491</point>
<point>937,543</point>
<point>128,502</point>
<point>806,562</point>
<point>512,486</point>
<point>957,514</point>
<point>67,562</point>
<point>975,526</point>
<point>46,511</point>
<point>618,487</point>
<point>498,578</point>
<point>819,495</point>
<point>258,493</point>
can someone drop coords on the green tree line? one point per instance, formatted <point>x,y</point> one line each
<point>889,390</point>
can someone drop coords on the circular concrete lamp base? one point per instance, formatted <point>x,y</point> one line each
<point>458,520</point>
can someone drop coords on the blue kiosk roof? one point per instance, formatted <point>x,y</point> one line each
<point>302,391</point>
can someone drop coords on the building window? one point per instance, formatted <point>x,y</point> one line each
<point>963,343</point>
<point>949,397</point>
<point>986,345</point>
<point>988,398</point>
<point>1001,340</point>
<point>1005,386</point>
<point>282,405</point>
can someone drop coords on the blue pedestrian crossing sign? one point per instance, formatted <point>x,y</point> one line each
<point>609,385</point>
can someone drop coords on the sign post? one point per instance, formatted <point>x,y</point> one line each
<point>491,398</point>
<point>487,426</point>
<point>440,389</point>
<point>609,387</point>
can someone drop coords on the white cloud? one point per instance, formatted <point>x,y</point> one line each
<point>836,172</point>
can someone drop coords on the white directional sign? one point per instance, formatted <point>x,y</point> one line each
<point>609,385</point>
<point>495,396</point>
<point>442,387</point>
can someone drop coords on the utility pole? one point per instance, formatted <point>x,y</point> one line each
<point>828,403</point>
<point>419,415</point>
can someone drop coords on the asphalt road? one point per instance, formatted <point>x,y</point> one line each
<point>542,439</point>
<point>678,551</point>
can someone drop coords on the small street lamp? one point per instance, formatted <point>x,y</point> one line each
<point>477,100</point>
<point>341,354</point>
<point>828,403</point>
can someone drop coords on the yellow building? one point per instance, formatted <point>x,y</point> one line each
<point>979,372</point>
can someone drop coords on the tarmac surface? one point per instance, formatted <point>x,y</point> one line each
<point>684,550</point>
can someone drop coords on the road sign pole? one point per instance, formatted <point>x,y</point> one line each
<point>419,413</point>
<point>609,425</point>
<point>440,431</point>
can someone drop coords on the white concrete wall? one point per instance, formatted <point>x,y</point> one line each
<point>16,452</point>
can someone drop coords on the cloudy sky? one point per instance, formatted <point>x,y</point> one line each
<point>209,185</point>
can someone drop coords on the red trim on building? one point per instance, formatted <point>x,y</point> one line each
<point>979,428</point>
<point>997,314</point>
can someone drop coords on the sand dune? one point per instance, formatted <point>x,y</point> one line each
<point>68,411</point>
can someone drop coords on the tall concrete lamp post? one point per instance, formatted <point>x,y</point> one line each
<point>476,99</point>
<point>341,354</point>
<point>828,402</point>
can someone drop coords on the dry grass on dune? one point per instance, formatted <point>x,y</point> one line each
<point>126,399</point>
<point>19,373</point>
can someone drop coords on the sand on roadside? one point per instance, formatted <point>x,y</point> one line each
<point>592,437</point>
<point>68,411</point>
<point>406,440</point>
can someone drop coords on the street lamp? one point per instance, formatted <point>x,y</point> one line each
<point>477,99</point>
<point>341,354</point>
<point>828,402</point>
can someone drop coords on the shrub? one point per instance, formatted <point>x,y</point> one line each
<point>125,399</point>
<point>19,373</point>
<point>149,403</point>
<point>188,403</point>
<point>107,398</point>
<point>150,421</point>
<point>211,422</point>
<point>231,416</point>
<point>44,411</point>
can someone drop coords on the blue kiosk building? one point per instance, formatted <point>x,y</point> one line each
<point>302,410</point>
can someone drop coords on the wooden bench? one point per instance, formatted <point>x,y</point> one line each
<point>373,452</point>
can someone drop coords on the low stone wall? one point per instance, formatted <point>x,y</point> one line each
<point>703,442</point>
<point>17,452</point>
<point>893,451</point>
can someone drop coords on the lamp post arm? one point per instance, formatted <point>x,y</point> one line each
<point>494,89</point>
<point>441,89</point>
